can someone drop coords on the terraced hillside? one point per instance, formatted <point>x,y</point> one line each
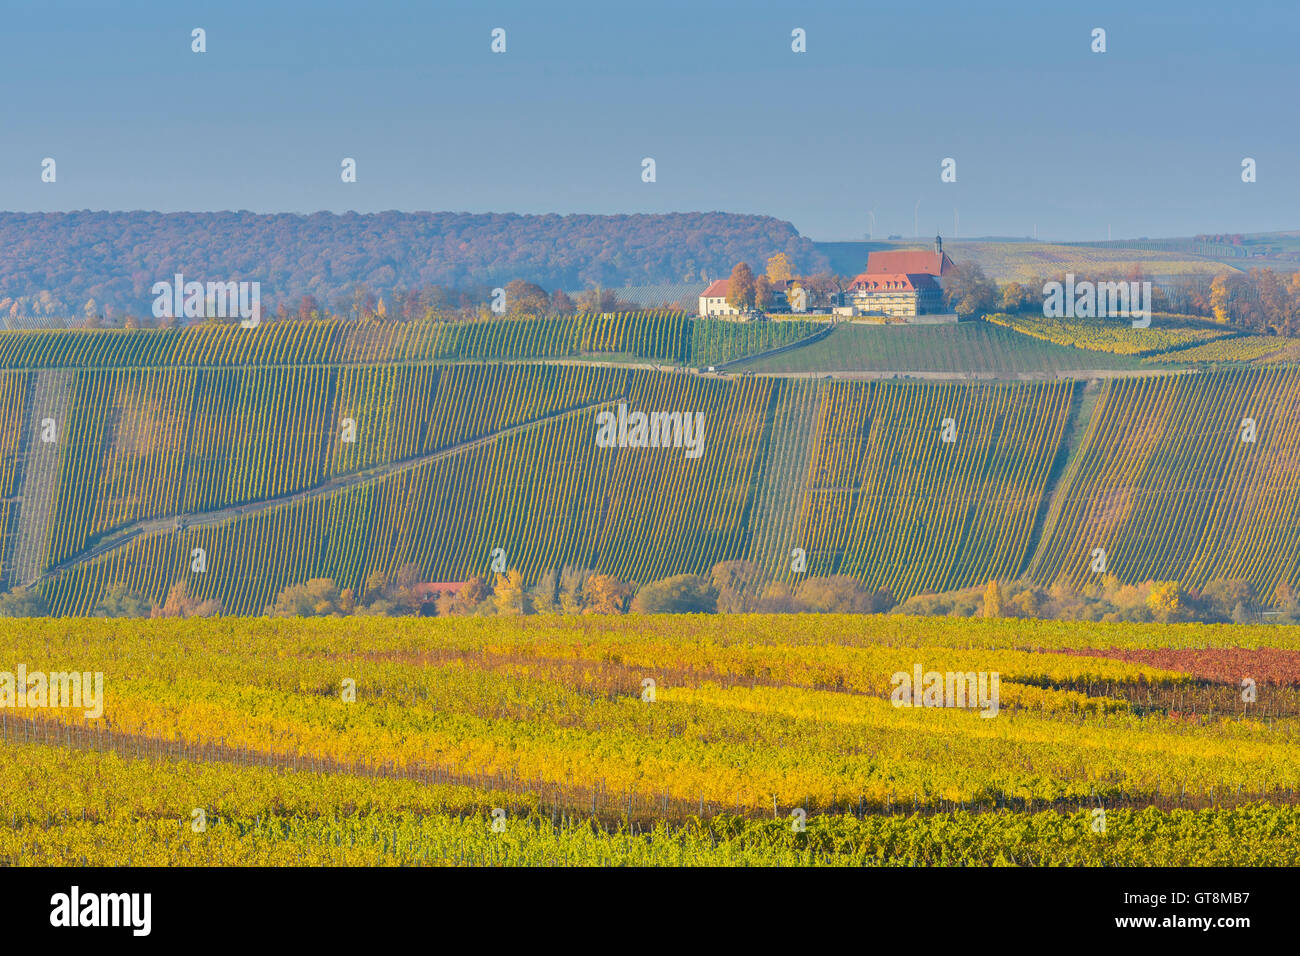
<point>918,487</point>
<point>1186,478</point>
<point>241,478</point>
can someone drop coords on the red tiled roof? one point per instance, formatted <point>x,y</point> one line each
<point>892,282</point>
<point>910,261</point>
<point>716,290</point>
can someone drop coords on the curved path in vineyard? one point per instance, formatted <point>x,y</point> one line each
<point>128,533</point>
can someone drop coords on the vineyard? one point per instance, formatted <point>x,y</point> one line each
<point>545,495</point>
<point>893,503</point>
<point>13,399</point>
<point>784,476</point>
<point>680,740</point>
<point>717,341</point>
<point>1185,478</point>
<point>241,481</point>
<point>667,337</point>
<point>958,350</point>
<point>651,335</point>
<point>1029,261</point>
<point>1111,335</point>
<point>1239,348</point>
<point>449,464</point>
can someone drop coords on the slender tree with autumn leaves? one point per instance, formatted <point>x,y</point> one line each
<point>779,268</point>
<point>740,288</point>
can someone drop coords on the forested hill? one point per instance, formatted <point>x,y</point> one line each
<point>54,263</point>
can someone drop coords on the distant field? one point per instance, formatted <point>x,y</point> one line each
<point>1007,261</point>
<point>652,335</point>
<point>967,347</point>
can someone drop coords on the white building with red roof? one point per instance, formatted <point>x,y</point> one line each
<point>713,300</point>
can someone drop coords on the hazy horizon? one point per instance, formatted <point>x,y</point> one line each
<point>1048,136</point>
<point>924,238</point>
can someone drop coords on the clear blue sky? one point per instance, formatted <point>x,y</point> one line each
<point>1147,138</point>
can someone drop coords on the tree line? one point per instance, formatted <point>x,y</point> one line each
<point>72,264</point>
<point>730,587</point>
<point>1261,301</point>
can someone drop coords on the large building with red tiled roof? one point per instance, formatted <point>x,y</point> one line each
<point>894,293</point>
<point>911,261</point>
<point>902,283</point>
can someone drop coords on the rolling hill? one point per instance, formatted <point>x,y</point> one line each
<point>303,450</point>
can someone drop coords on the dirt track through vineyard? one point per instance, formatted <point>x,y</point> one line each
<point>125,535</point>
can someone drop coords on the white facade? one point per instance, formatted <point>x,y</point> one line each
<point>716,305</point>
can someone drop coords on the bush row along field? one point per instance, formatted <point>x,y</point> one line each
<point>1110,335</point>
<point>652,335</point>
<point>1167,486</point>
<point>749,718</point>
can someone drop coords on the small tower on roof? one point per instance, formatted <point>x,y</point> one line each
<point>938,244</point>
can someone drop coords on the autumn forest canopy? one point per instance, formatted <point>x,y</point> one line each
<point>55,263</point>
